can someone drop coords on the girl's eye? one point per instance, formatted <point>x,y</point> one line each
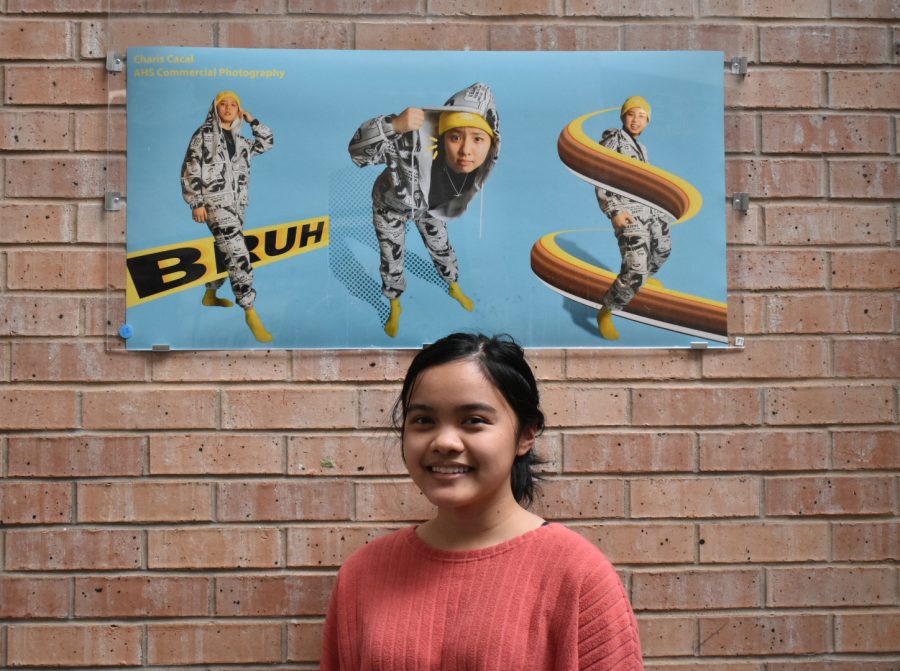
<point>421,419</point>
<point>475,420</point>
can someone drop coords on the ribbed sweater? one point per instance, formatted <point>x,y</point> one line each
<point>547,600</point>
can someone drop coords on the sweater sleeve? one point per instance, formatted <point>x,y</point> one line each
<point>607,629</point>
<point>611,203</point>
<point>263,139</point>
<point>191,172</point>
<point>368,145</point>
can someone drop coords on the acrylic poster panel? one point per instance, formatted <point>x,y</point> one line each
<point>534,251</point>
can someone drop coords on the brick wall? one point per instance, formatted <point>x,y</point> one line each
<point>191,509</point>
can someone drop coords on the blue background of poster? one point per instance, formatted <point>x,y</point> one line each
<point>330,298</point>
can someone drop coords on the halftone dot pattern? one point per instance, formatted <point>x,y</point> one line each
<point>350,208</point>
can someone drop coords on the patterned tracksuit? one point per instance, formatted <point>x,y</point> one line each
<point>645,244</point>
<point>212,179</point>
<point>401,192</point>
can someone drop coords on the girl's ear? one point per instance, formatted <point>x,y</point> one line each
<point>526,440</point>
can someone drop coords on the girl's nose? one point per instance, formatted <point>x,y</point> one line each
<point>446,440</point>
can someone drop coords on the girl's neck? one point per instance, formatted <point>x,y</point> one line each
<point>454,529</point>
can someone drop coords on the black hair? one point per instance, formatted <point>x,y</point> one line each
<point>503,363</point>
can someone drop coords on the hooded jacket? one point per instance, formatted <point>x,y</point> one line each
<point>209,178</point>
<point>405,183</point>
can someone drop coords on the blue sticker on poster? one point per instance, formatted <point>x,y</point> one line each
<point>350,199</point>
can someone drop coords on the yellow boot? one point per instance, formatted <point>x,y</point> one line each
<point>259,331</point>
<point>210,299</point>
<point>393,323</point>
<point>465,301</point>
<point>605,324</point>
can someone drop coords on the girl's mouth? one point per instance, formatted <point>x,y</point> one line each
<point>449,470</point>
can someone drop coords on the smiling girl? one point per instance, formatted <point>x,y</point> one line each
<point>486,584</point>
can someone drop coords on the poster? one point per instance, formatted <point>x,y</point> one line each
<point>518,244</point>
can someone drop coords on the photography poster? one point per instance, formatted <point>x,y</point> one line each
<point>509,240</point>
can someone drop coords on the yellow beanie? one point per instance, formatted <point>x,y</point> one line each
<point>227,94</point>
<point>450,120</point>
<point>635,101</point>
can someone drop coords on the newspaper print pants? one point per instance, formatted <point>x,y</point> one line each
<point>644,245</point>
<point>227,226</point>
<point>390,229</point>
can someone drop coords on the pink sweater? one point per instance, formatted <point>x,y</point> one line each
<point>547,600</point>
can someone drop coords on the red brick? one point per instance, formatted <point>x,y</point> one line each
<point>674,37</point>
<point>96,225</point>
<point>549,37</point>
<point>835,495</point>
<point>744,228</point>
<point>864,179</point>
<point>260,7</point>
<point>73,6</point>
<point>865,541</point>
<point>287,33</point>
<point>35,40</point>
<point>864,89</point>
<point>100,131</point>
<point>353,7</point>
<point>328,546</point>
<point>149,408</point>
<point>826,44</point>
<point>36,222</point>
<point>779,89</point>
<point>666,636</point>
<point>34,131</point>
<point>609,8</point>
<point>456,36</point>
<point>702,497</point>
<point>701,665</point>
<point>782,357</point>
<point>741,133</point>
<point>766,542</point>
<point>72,549</point>
<point>867,632</point>
<point>216,642</point>
<point>580,498</point>
<point>776,178</point>
<point>336,454</point>
<point>142,596</point>
<point>221,366</point>
<point>59,361</point>
<point>617,452</point>
<point>240,547</point>
<point>391,501</point>
<point>642,543</point>
<point>834,404</point>
<point>763,451</point>
<point>865,269</point>
<point>296,407</point>
<point>38,316</point>
<point>583,405</point>
<point>70,177</point>
<point>761,269</point>
<point>375,405</point>
<point>284,500</point>
<point>764,635</point>
<point>96,41</point>
<point>304,641</point>
<point>215,453</point>
<point>831,224</point>
<point>71,270</point>
<point>547,364</point>
<point>144,502</point>
<point>55,85</point>
<point>477,8</point>
<point>35,503</point>
<point>630,364</point>
<point>23,597</point>
<point>867,450</point>
<point>758,9</point>
<point>37,408</point>
<point>351,365</point>
<point>830,587</point>
<point>824,665</point>
<point>103,316</point>
<point>829,313</point>
<point>695,406</point>
<point>284,595</point>
<point>746,313</point>
<point>865,9</point>
<point>828,133</point>
<point>696,589</point>
<point>74,456</point>
<point>74,645</point>
<point>867,357</point>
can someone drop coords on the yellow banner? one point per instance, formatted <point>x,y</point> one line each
<point>161,271</point>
